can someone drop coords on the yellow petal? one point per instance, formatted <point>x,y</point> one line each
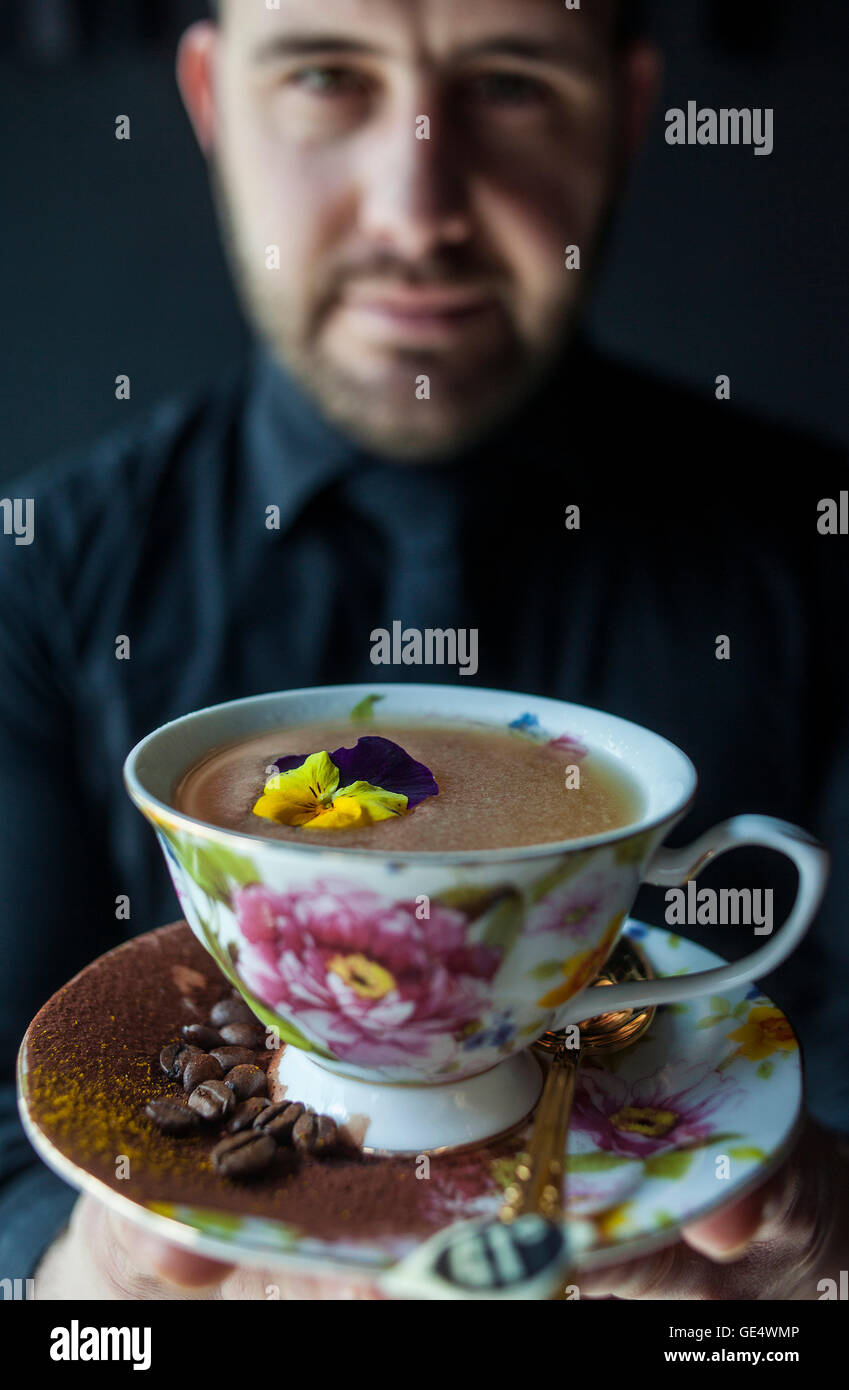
<point>359,804</point>
<point>285,809</point>
<point>318,777</point>
<point>295,797</point>
<point>344,814</point>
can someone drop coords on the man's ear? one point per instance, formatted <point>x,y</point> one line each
<point>196,80</point>
<point>643,70</point>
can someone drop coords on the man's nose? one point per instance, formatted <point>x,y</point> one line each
<point>415,199</point>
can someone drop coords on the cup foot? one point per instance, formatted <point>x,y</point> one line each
<point>413,1120</point>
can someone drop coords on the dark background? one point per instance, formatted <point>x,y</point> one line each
<point>723,262</point>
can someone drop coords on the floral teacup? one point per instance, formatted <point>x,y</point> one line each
<point>409,987</point>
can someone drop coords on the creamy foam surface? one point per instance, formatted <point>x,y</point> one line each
<point>497,789</point>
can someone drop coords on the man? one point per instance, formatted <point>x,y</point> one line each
<point>404,185</point>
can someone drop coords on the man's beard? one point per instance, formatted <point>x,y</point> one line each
<point>466,402</point>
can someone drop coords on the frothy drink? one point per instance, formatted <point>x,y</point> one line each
<point>497,790</point>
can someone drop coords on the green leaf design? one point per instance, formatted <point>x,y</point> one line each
<point>214,868</point>
<point>365,709</point>
<point>222,1223</point>
<point>765,1070</point>
<point>721,1137</point>
<point>741,1009</point>
<point>599,1162</point>
<point>535,1029</point>
<point>546,969</point>
<point>572,865</point>
<point>663,1219</point>
<point>679,1009</point>
<point>474,901</point>
<point>747,1151</point>
<point>503,1170</point>
<point>720,1006</point>
<point>504,924</point>
<point>213,945</point>
<point>674,1164</point>
<point>635,850</point>
<point>673,941</point>
<point>711,1020</point>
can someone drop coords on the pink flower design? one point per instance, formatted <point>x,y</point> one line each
<point>362,973</point>
<point>580,910</point>
<point>639,1118</point>
<point>567,744</point>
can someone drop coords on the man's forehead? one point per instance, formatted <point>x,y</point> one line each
<point>437,24</point>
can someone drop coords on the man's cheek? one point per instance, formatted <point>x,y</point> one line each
<point>530,241</point>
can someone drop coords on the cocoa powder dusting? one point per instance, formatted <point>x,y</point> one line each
<point>92,1060</point>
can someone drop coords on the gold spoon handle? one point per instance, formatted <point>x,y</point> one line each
<point>538,1181</point>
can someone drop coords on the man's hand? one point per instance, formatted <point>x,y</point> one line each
<point>776,1243</point>
<point>103,1257</point>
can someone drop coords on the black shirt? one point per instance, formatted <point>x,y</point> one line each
<point>696,522</point>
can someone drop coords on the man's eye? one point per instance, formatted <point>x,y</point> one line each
<point>507,89</point>
<point>328,82</point>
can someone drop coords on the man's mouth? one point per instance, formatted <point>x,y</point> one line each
<point>418,315</point>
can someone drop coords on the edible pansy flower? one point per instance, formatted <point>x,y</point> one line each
<point>348,788</point>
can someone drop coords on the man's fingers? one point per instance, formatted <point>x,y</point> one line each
<point>727,1234</point>
<point>159,1259</point>
<point>718,1257</point>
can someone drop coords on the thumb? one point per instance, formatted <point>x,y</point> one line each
<point>727,1234</point>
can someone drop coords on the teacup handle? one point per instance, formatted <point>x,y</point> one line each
<point>670,868</point>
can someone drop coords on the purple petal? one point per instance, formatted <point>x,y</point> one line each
<point>384,764</point>
<point>290,762</point>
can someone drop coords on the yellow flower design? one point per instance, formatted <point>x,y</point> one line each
<point>365,977</point>
<point>765,1031</point>
<point>612,1223</point>
<point>645,1120</point>
<point>581,970</point>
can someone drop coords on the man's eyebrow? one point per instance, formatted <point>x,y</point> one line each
<point>538,50</point>
<point>517,46</point>
<point>305,45</point>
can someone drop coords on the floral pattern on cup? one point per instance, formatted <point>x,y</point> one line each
<point>643,1117</point>
<point>377,981</point>
<point>580,970</point>
<point>447,985</point>
<point>579,909</point>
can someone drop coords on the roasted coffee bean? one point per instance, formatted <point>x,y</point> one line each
<point>230,1011</point>
<point>184,1056</point>
<point>244,1034</point>
<point>201,1068</point>
<point>212,1100</point>
<point>314,1133</point>
<point>201,1036</point>
<point>245,1114</point>
<point>279,1120</point>
<point>246,1082</point>
<point>168,1057</point>
<point>230,1057</point>
<point>244,1155</point>
<point>172,1116</point>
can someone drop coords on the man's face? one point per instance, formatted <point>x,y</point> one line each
<point>422,166</point>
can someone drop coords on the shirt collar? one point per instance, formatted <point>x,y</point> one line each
<point>295,453</point>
